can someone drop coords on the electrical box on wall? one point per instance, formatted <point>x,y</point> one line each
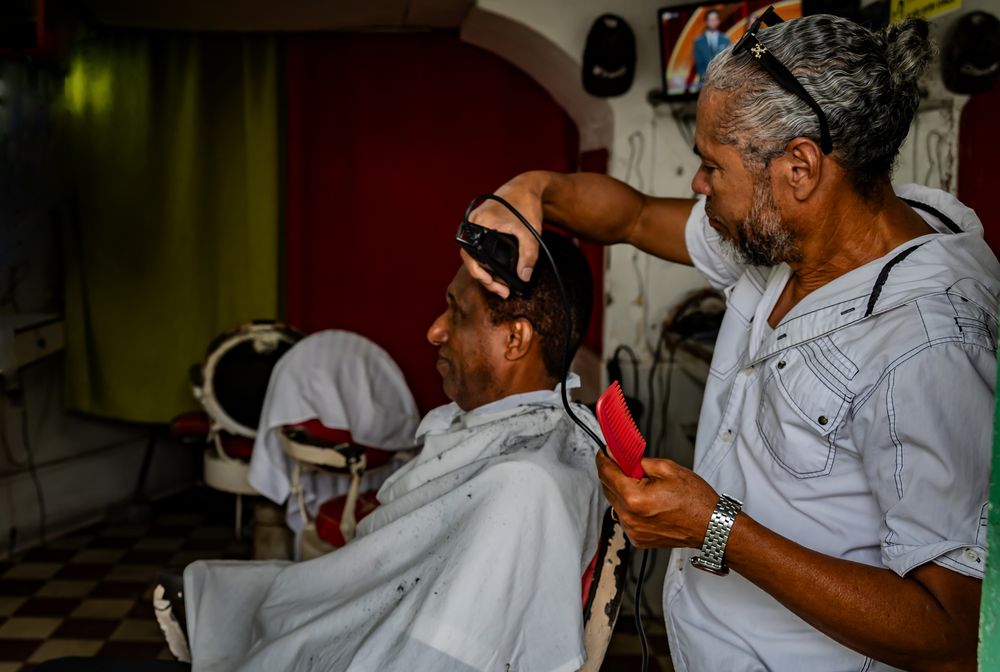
<point>929,156</point>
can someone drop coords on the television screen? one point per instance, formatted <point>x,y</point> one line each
<point>691,36</point>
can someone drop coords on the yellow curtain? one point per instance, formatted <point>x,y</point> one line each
<point>171,153</point>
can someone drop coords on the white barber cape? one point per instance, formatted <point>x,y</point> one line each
<point>473,561</point>
<point>346,382</point>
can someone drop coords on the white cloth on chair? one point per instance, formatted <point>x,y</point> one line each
<point>472,562</point>
<point>346,382</point>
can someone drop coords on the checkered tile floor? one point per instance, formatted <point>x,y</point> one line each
<point>89,594</point>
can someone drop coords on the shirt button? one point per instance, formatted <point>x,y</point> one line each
<point>781,364</point>
<point>822,420</point>
<point>727,435</point>
<point>971,555</point>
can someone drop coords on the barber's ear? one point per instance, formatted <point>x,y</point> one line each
<point>520,334</point>
<point>800,167</point>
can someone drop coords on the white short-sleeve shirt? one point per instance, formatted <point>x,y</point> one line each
<point>860,427</point>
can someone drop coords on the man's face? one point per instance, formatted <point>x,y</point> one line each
<point>740,204</point>
<point>712,21</point>
<point>470,346</point>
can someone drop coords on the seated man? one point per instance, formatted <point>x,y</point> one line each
<point>473,560</point>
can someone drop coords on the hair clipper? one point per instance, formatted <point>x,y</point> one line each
<point>495,251</point>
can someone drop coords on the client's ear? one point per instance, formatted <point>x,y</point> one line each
<point>520,335</point>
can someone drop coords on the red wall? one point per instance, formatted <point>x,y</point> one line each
<point>389,138</point>
<point>978,170</point>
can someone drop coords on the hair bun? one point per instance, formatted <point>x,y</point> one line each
<point>908,51</point>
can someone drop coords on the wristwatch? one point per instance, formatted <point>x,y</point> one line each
<point>714,547</point>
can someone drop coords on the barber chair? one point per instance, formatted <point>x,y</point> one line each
<point>230,383</point>
<point>603,589</point>
<point>312,445</point>
<point>337,419</point>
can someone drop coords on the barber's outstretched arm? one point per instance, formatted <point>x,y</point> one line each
<point>594,207</point>
<point>927,620</point>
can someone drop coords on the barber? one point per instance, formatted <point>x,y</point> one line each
<point>843,452</point>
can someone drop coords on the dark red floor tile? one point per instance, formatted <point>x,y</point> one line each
<point>112,542</point>
<point>43,554</point>
<point>19,587</point>
<point>172,530</point>
<point>81,571</point>
<point>48,606</point>
<point>145,557</point>
<point>18,649</point>
<point>85,628</point>
<point>143,650</point>
<point>129,589</point>
<point>205,544</point>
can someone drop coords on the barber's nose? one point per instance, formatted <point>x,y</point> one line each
<point>438,333</point>
<point>699,184</point>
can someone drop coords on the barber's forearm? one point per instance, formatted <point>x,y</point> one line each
<point>605,210</point>
<point>871,610</point>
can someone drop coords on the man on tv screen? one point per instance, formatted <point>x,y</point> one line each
<point>709,43</point>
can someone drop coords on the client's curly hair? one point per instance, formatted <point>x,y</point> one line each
<point>543,305</point>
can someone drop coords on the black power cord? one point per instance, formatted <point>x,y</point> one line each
<point>567,361</point>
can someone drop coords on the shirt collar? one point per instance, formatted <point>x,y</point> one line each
<point>941,259</point>
<point>444,417</point>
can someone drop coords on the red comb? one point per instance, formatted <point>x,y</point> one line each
<point>624,440</point>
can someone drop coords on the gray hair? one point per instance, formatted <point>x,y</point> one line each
<point>866,82</point>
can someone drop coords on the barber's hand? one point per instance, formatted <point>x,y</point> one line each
<point>493,215</point>
<point>670,507</point>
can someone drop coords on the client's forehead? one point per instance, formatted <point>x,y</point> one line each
<point>466,290</point>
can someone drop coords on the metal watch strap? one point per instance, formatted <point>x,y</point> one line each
<point>717,535</point>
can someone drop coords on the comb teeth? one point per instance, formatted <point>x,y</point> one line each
<point>625,443</point>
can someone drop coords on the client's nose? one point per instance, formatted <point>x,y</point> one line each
<point>438,333</point>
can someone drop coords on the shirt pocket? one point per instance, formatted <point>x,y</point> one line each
<point>801,408</point>
<point>731,344</point>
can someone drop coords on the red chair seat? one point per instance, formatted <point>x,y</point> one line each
<point>374,457</point>
<point>195,427</point>
<point>330,512</point>
<point>237,447</point>
<point>191,427</point>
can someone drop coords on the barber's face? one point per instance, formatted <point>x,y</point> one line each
<point>740,204</point>
<point>468,345</point>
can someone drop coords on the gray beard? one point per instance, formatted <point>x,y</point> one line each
<point>762,239</point>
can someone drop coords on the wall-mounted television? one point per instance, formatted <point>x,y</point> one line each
<point>691,35</point>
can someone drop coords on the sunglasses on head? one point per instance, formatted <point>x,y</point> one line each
<point>780,73</point>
